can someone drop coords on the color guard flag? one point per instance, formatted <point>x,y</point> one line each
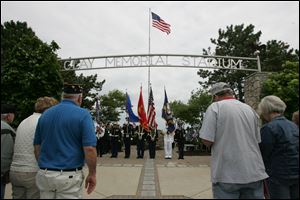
<point>142,113</point>
<point>160,24</point>
<point>151,111</point>
<point>167,115</point>
<point>131,116</point>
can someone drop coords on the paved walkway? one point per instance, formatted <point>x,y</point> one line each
<point>159,178</point>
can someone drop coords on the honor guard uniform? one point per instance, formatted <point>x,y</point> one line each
<point>128,132</point>
<point>115,139</point>
<point>180,139</point>
<point>152,137</point>
<point>106,138</point>
<point>100,139</point>
<point>168,140</point>
<point>141,138</point>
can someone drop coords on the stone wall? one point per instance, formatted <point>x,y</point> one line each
<point>252,88</point>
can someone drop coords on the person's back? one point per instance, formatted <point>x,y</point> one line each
<point>231,127</point>
<point>64,139</point>
<point>236,157</point>
<point>61,131</point>
<point>283,160</point>
<point>7,143</point>
<point>280,149</point>
<point>24,165</point>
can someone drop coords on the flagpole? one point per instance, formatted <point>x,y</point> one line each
<point>149,55</point>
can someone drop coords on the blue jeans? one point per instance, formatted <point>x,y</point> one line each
<point>283,188</point>
<point>2,190</point>
<point>238,191</point>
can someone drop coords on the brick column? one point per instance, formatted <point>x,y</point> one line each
<point>252,88</point>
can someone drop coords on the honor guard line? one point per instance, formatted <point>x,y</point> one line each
<point>162,60</point>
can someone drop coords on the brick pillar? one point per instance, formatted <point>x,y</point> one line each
<point>252,88</point>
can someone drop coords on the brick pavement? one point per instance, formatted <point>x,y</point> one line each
<point>149,185</point>
<point>146,178</point>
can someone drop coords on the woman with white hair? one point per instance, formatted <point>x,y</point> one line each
<point>280,149</point>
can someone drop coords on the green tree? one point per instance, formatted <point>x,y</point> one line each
<point>112,105</point>
<point>274,55</point>
<point>192,112</point>
<point>244,42</point>
<point>29,68</point>
<point>91,87</point>
<point>285,85</point>
<point>235,41</point>
<point>180,111</point>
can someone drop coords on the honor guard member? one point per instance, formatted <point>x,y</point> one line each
<point>180,138</point>
<point>168,140</point>
<point>116,135</point>
<point>128,132</point>
<point>152,137</point>
<point>100,139</point>
<point>106,138</point>
<point>141,138</point>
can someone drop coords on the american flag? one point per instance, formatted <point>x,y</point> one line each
<point>159,23</point>
<point>151,111</point>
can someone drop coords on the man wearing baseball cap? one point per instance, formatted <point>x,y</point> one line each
<point>231,129</point>
<point>64,140</point>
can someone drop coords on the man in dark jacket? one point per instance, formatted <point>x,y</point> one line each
<point>7,143</point>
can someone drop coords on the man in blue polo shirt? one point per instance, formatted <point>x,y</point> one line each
<point>64,139</point>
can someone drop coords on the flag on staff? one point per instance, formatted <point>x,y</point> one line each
<point>131,116</point>
<point>97,111</point>
<point>167,115</point>
<point>142,113</point>
<point>151,111</point>
<point>160,24</point>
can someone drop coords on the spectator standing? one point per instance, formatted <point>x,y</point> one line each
<point>295,118</point>
<point>8,135</point>
<point>231,128</point>
<point>280,149</point>
<point>65,139</point>
<point>24,166</point>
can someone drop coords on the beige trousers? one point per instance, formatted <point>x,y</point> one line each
<point>23,185</point>
<point>60,185</point>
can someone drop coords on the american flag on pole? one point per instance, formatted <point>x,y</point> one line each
<point>151,111</point>
<point>160,24</point>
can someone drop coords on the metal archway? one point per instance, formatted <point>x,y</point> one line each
<point>162,60</point>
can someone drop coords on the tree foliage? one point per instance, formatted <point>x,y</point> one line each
<point>192,112</point>
<point>275,54</point>
<point>242,41</point>
<point>91,87</point>
<point>111,106</point>
<point>29,68</point>
<point>285,85</point>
